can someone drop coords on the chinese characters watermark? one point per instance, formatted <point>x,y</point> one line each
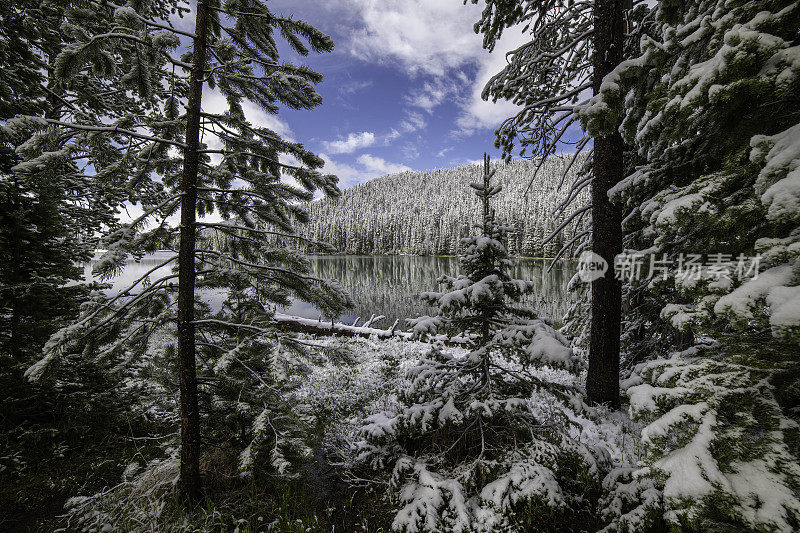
<point>688,268</point>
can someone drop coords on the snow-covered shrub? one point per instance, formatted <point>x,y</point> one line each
<point>246,367</point>
<point>477,438</point>
<point>137,503</point>
<point>720,452</point>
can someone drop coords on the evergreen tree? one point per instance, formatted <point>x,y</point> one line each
<point>51,213</point>
<point>723,163</point>
<point>710,106</point>
<point>155,157</point>
<point>466,444</point>
<point>573,46</point>
<point>50,210</point>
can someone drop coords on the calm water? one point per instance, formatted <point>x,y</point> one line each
<point>389,285</point>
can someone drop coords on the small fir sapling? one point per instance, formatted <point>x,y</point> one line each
<point>475,438</point>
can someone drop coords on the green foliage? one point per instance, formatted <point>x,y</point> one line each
<point>257,182</point>
<point>720,448</point>
<point>714,138</point>
<point>49,209</point>
<point>705,107</point>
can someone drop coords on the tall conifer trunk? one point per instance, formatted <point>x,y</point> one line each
<point>187,373</point>
<point>602,381</point>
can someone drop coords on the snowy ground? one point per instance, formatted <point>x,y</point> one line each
<point>345,380</point>
<point>370,381</point>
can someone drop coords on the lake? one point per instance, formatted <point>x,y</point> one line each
<point>388,285</point>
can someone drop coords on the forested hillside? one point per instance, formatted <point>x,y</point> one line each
<point>427,213</point>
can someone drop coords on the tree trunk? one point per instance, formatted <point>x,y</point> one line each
<point>187,373</point>
<point>602,381</point>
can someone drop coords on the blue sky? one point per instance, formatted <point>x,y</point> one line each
<point>401,89</point>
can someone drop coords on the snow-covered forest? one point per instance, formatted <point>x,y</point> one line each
<point>428,213</point>
<point>181,350</point>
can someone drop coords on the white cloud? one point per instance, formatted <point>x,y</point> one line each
<point>426,36</point>
<point>369,167</point>
<point>477,113</point>
<point>380,166</point>
<point>347,175</point>
<point>433,93</point>
<point>353,142</point>
<point>410,151</point>
<point>414,121</point>
<point>391,136</point>
<point>434,39</point>
<point>354,87</point>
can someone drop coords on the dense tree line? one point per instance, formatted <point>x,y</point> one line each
<point>427,213</point>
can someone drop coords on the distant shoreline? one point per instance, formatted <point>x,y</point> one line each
<point>431,255</point>
<point>568,259</point>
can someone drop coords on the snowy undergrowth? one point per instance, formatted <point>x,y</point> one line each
<point>342,379</point>
<point>496,437</point>
<point>720,452</point>
<point>541,480</point>
<point>341,391</point>
<point>341,394</point>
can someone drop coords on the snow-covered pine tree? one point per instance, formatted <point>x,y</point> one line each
<point>722,164</point>
<point>572,46</point>
<point>50,213</point>
<point>710,106</point>
<point>50,210</point>
<point>156,157</point>
<point>478,437</point>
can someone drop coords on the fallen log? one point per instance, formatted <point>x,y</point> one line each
<point>318,327</point>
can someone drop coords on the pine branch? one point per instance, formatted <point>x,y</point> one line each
<point>240,262</point>
<point>106,129</point>
<point>133,38</point>
<point>572,193</point>
<point>566,246</point>
<point>567,221</point>
<point>103,3</point>
<point>263,232</point>
<point>151,289</point>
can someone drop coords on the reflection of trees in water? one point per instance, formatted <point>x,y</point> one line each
<point>386,285</point>
<point>390,285</point>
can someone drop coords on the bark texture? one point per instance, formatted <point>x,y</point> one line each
<point>602,380</point>
<point>190,485</point>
